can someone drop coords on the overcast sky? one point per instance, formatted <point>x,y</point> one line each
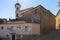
<point>7,7</point>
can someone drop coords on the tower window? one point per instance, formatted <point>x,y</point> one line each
<point>17,7</point>
<point>16,14</point>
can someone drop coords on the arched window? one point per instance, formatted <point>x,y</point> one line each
<point>16,14</point>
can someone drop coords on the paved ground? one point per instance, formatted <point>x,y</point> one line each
<point>55,35</point>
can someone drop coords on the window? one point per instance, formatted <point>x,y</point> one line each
<point>37,11</point>
<point>17,7</point>
<point>16,14</point>
<point>7,35</point>
<point>2,28</point>
<point>27,28</point>
<point>13,28</point>
<point>45,14</point>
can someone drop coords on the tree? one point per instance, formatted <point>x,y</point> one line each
<point>59,4</point>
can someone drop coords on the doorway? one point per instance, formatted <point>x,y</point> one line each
<point>59,25</point>
<point>13,37</point>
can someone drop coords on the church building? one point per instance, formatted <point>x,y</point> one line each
<point>29,23</point>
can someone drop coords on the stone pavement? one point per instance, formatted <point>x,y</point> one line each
<point>55,35</point>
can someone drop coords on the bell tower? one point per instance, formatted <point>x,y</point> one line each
<point>17,6</point>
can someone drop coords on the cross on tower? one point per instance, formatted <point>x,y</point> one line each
<point>17,1</point>
<point>17,5</point>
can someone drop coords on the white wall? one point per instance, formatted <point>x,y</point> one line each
<point>21,29</point>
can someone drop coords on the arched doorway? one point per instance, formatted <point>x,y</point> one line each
<point>59,25</point>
